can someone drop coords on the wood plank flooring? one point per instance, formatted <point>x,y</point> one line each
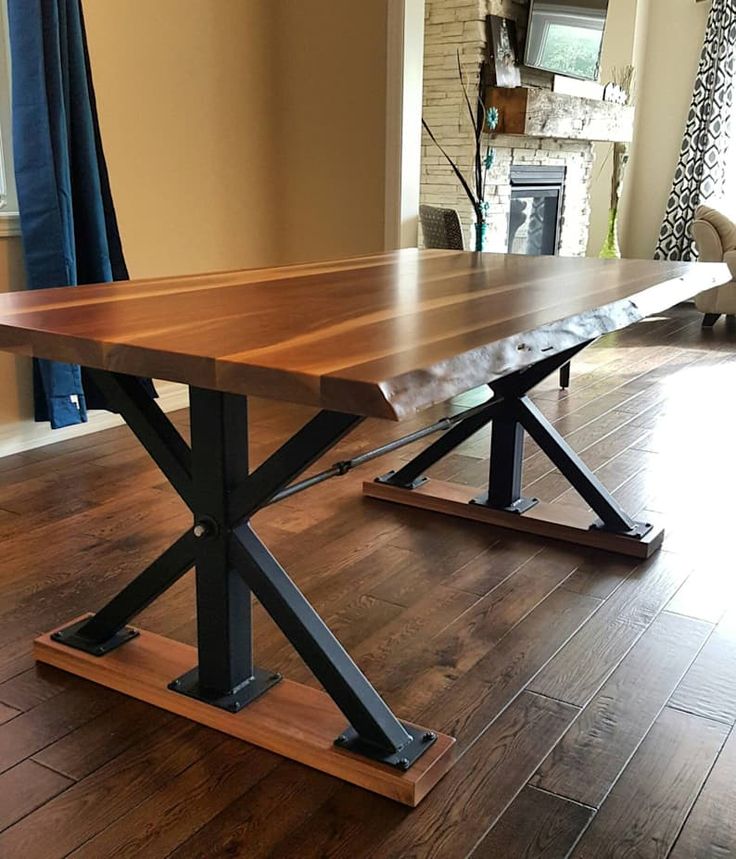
<point>593,696</point>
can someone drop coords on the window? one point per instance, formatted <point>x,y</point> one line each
<point>8,200</point>
<point>573,48</point>
<point>566,37</point>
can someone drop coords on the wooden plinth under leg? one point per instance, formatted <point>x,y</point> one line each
<point>556,521</point>
<point>293,720</point>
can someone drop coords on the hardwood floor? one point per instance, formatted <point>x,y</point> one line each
<point>593,696</point>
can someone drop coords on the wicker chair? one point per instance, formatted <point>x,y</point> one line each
<point>441,228</point>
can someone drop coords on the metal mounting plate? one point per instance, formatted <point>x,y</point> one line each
<point>388,478</point>
<point>640,529</point>
<point>521,505</point>
<point>70,637</point>
<point>401,760</point>
<point>246,693</point>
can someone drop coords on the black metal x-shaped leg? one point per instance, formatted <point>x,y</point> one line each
<point>512,414</point>
<point>213,479</point>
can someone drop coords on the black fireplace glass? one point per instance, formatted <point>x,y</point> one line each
<point>536,209</point>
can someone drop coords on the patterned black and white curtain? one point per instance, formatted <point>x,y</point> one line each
<point>700,172</point>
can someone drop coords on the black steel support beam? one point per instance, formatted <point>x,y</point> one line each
<point>152,428</point>
<point>321,651</point>
<point>581,478</point>
<point>565,376</point>
<point>101,632</point>
<point>411,474</point>
<point>219,428</point>
<point>506,465</point>
<point>514,385</point>
<point>507,452</point>
<point>522,381</point>
<point>311,442</point>
<point>232,562</point>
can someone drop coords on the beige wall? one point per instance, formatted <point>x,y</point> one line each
<point>331,127</point>
<point>238,133</point>
<point>186,97</point>
<point>618,51</point>
<point>243,132</point>
<point>668,59</point>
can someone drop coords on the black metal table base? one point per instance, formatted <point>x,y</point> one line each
<point>214,480</point>
<point>513,415</point>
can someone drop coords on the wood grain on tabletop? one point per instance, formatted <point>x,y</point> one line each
<point>382,335</point>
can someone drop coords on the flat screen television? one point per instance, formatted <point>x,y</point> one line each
<point>566,37</point>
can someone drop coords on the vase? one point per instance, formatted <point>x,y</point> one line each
<point>479,236</point>
<point>611,249</point>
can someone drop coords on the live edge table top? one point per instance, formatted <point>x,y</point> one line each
<point>382,336</point>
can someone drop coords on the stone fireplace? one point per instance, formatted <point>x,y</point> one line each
<point>572,160</point>
<point>546,133</point>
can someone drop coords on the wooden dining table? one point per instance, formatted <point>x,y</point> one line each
<point>382,336</point>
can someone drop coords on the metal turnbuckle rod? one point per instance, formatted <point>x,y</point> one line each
<point>346,465</point>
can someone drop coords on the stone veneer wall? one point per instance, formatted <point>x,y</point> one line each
<point>452,25</point>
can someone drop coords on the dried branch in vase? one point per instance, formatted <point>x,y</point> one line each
<point>481,119</point>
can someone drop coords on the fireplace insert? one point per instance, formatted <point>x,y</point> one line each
<point>536,209</point>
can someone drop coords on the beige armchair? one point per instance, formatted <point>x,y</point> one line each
<point>715,237</point>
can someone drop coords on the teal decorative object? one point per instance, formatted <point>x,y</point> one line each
<point>480,236</point>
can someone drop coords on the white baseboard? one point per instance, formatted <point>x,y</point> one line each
<point>9,225</point>
<point>26,435</point>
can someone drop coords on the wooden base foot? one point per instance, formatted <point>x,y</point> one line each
<point>544,520</point>
<point>293,720</point>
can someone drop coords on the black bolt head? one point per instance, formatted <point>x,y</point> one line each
<point>429,736</point>
<point>341,740</point>
<point>403,764</point>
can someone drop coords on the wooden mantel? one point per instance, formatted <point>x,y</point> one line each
<point>538,112</point>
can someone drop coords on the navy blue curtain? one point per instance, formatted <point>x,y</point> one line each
<point>68,224</point>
